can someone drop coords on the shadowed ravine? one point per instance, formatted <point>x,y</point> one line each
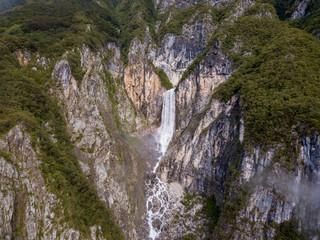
<point>158,199</point>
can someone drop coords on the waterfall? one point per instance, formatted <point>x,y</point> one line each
<point>166,129</point>
<point>158,200</point>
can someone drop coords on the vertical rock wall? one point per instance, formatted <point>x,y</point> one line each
<point>28,210</point>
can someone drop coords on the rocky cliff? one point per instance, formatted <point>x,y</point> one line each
<point>220,182</point>
<point>94,110</point>
<point>142,83</point>
<point>28,210</point>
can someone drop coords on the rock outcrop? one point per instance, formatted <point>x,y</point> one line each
<point>178,52</point>
<point>91,114</point>
<point>300,10</point>
<point>141,82</point>
<point>28,209</point>
<point>279,194</point>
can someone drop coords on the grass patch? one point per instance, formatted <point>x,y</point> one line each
<point>74,60</point>
<point>165,81</point>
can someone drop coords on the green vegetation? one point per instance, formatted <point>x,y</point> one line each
<point>134,17</point>
<point>52,27</point>
<point>233,202</point>
<point>189,200</point>
<point>20,203</point>
<point>7,4</point>
<point>279,87</point>
<point>189,236</point>
<point>184,16</point>
<point>212,212</point>
<point>277,81</point>
<point>284,8</point>
<point>287,231</point>
<point>278,68</point>
<point>310,22</point>
<point>74,60</point>
<point>247,36</point>
<point>112,85</point>
<point>277,74</point>
<point>24,98</point>
<point>165,82</point>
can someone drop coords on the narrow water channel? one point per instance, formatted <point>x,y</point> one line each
<point>158,200</point>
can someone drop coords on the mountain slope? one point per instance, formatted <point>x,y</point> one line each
<point>82,85</point>
<point>7,4</point>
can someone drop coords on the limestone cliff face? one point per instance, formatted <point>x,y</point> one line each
<point>199,156</point>
<point>141,82</point>
<point>90,112</point>
<point>90,108</point>
<point>198,161</point>
<point>202,157</point>
<point>196,125</point>
<point>207,149</point>
<point>178,52</point>
<point>28,210</point>
<point>279,194</point>
<point>194,94</point>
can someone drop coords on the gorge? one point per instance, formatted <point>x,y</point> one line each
<point>159,120</point>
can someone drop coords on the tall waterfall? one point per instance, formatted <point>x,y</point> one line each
<point>158,199</point>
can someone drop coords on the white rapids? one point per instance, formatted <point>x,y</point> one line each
<point>158,199</point>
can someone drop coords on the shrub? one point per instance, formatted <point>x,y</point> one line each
<point>74,60</point>
<point>287,231</point>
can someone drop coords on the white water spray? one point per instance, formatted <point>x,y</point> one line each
<point>158,199</point>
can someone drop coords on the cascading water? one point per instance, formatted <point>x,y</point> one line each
<point>158,199</point>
